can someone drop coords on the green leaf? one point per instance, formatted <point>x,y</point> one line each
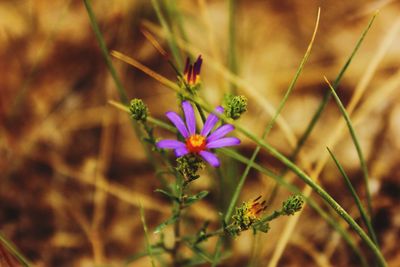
<point>168,194</point>
<point>170,221</point>
<point>148,245</point>
<point>192,199</point>
<point>136,256</point>
<point>357,200</point>
<point>262,227</point>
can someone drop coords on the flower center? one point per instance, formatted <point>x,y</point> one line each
<point>255,208</point>
<point>196,143</point>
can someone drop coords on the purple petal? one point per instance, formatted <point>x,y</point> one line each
<point>178,122</point>
<point>227,141</point>
<point>212,119</point>
<point>186,65</point>
<point>197,65</point>
<point>190,117</point>
<point>220,132</point>
<point>170,144</point>
<point>181,152</point>
<point>210,158</point>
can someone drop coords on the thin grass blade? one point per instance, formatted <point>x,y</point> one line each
<point>146,234</point>
<point>361,158</point>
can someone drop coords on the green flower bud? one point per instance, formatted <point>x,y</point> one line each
<point>292,205</point>
<point>138,109</point>
<point>189,165</point>
<point>235,106</point>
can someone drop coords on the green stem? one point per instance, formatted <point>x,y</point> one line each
<point>362,161</point>
<point>170,37</point>
<point>176,16</point>
<point>303,176</point>
<point>279,180</point>
<point>120,88</point>
<point>232,61</point>
<point>146,234</point>
<point>288,163</point>
<point>325,100</point>
<point>105,52</point>
<point>327,94</point>
<point>363,213</point>
<point>271,123</point>
<point>320,191</point>
<point>11,248</point>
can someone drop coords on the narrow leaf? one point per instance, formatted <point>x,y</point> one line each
<point>170,221</point>
<point>192,199</point>
<point>360,156</point>
<point>168,194</point>
<point>146,234</point>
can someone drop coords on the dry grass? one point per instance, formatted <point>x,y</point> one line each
<point>73,172</point>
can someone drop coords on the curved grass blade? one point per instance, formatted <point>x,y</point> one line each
<point>361,158</point>
<point>327,94</point>
<point>277,178</point>
<point>353,192</point>
<point>267,147</point>
<point>269,126</point>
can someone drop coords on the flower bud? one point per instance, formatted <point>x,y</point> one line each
<point>292,205</point>
<point>138,109</point>
<point>235,106</point>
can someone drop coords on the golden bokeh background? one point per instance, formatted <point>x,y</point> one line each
<point>73,173</point>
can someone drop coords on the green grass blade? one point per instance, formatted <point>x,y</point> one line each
<point>170,36</point>
<point>327,94</point>
<point>105,52</point>
<point>13,250</point>
<point>155,251</point>
<point>243,178</point>
<point>353,192</point>
<point>146,234</point>
<point>272,122</point>
<point>275,153</point>
<point>325,100</point>
<point>176,16</point>
<point>360,156</point>
<point>277,178</point>
<point>232,55</point>
<point>120,88</point>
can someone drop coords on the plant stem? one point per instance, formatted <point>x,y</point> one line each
<point>288,163</point>
<point>11,248</point>
<point>361,209</point>
<point>170,37</point>
<point>105,52</point>
<point>232,61</point>
<point>277,178</point>
<point>177,226</point>
<point>362,162</point>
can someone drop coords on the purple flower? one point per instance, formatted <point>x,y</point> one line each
<point>199,143</point>
<point>191,74</point>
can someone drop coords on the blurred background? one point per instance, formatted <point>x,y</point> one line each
<point>72,171</point>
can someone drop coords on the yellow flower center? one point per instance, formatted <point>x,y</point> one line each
<point>196,143</point>
<point>254,208</point>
